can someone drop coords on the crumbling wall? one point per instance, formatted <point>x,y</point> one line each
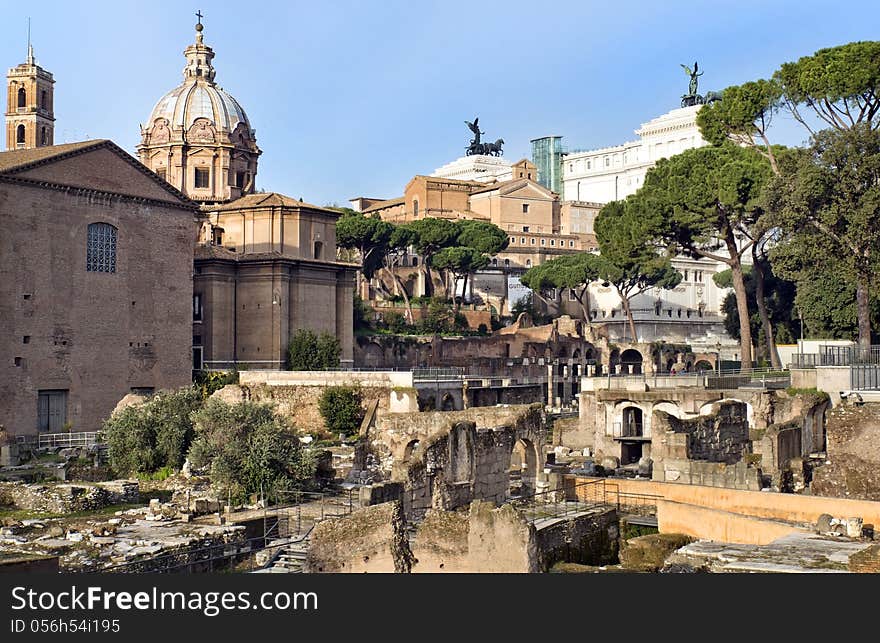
<point>372,539</point>
<point>590,539</point>
<point>706,450</point>
<point>500,540</point>
<point>67,498</point>
<point>441,542</point>
<point>852,469</point>
<point>573,433</point>
<point>462,463</point>
<point>722,436</point>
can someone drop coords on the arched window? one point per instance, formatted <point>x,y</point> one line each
<point>319,249</point>
<point>44,140</point>
<point>415,208</point>
<point>19,134</point>
<point>44,100</point>
<point>22,97</point>
<point>101,248</point>
<point>528,263</point>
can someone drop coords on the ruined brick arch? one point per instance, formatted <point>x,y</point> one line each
<point>614,358</point>
<point>447,402</point>
<point>667,407</point>
<point>631,361</point>
<point>703,365</point>
<point>411,450</point>
<point>706,409</point>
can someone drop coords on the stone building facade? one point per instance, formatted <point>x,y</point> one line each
<point>95,285</point>
<point>265,268</point>
<point>265,264</point>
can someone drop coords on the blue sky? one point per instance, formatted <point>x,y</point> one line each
<point>354,98</point>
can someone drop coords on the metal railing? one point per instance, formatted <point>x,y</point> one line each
<point>829,355</point>
<point>628,430</point>
<point>724,379</point>
<point>438,374</point>
<point>573,499</point>
<point>61,440</point>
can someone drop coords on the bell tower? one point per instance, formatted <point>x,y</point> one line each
<point>30,115</point>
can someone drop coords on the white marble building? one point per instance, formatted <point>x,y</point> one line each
<point>613,173</point>
<point>477,167</point>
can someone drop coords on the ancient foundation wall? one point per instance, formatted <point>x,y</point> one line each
<point>67,498</point>
<point>723,526</point>
<point>853,450</point>
<point>372,539</point>
<point>759,504</point>
<point>573,433</point>
<point>299,402</point>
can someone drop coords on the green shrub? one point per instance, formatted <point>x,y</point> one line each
<point>248,448</point>
<point>342,409</point>
<point>152,435</point>
<point>395,322</point>
<point>210,381</point>
<point>439,318</point>
<point>309,351</point>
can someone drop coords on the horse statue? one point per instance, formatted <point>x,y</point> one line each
<point>494,149</point>
<point>712,97</point>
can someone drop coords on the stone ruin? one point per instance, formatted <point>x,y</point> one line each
<point>446,460</point>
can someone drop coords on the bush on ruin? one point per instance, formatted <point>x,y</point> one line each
<point>146,437</point>
<point>248,449</point>
<point>309,351</point>
<point>341,407</point>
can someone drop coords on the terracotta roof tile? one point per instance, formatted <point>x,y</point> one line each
<point>268,199</point>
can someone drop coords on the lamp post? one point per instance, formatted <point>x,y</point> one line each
<point>718,357</point>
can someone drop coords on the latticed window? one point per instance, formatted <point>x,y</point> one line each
<point>101,248</point>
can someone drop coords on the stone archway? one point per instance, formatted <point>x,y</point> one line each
<point>447,403</point>
<point>523,468</point>
<point>631,362</point>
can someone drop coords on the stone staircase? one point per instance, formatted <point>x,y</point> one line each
<point>291,559</point>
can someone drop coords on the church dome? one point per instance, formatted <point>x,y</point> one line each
<point>197,98</point>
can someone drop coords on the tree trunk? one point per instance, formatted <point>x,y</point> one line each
<point>762,310</point>
<point>864,313</point>
<point>398,282</point>
<point>429,285</point>
<point>629,316</point>
<point>742,307</point>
